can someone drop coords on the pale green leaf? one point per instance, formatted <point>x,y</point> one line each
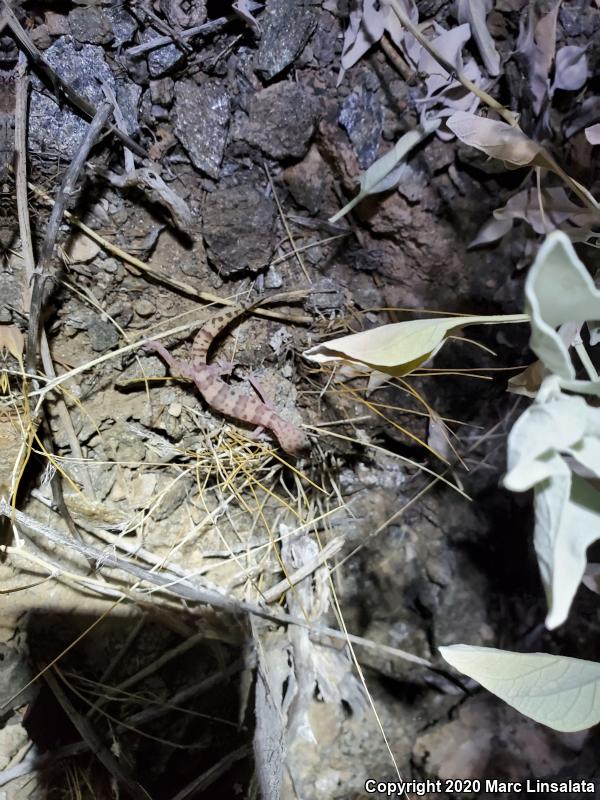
<point>377,177</point>
<point>401,347</point>
<point>545,427</point>
<point>587,453</point>
<point>558,289</point>
<point>582,387</point>
<point>562,693</point>
<point>592,134</point>
<point>567,507</point>
<point>567,522</point>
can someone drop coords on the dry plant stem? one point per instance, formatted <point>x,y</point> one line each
<point>186,588</point>
<point>29,262</point>
<point>450,68</point>
<point>489,101</point>
<point>582,193</point>
<point>21,177</point>
<point>199,30</point>
<point>285,224</point>
<point>150,669</point>
<point>398,62</point>
<point>185,695</point>
<point>161,278</point>
<point>121,125</point>
<point>43,271</point>
<point>118,657</point>
<point>207,778</point>
<point>158,23</point>
<point>59,86</point>
<point>35,761</point>
<point>93,740</point>
<point>585,359</point>
<point>57,569</point>
<point>69,183</point>
<point>274,593</point>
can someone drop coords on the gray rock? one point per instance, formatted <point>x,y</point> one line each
<point>56,129</point>
<point>128,97</point>
<point>580,19</point>
<point>325,296</point>
<point>103,335</point>
<point>161,92</point>
<point>183,13</point>
<point>41,37</point>
<point>172,500</point>
<point>239,229</point>
<point>362,118</point>
<point>201,123</point>
<point>164,59</point>
<point>286,28</point>
<point>325,43</point>
<point>123,24</point>
<point>281,121</point>
<point>307,181</point>
<point>90,25</point>
<point>273,279</point>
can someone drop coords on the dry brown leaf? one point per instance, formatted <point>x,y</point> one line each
<point>498,140</point>
<point>11,339</point>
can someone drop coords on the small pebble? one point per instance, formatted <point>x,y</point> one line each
<point>144,308</point>
<point>175,409</point>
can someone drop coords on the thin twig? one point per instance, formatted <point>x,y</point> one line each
<point>275,592</point>
<point>121,124</point>
<point>29,261</point>
<point>208,777</point>
<point>21,177</point>
<point>93,740</point>
<point>198,30</point>
<point>188,589</point>
<point>162,278</point>
<point>67,189</point>
<point>284,221</point>
<point>450,68</point>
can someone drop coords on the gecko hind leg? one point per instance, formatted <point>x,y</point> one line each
<point>178,369</point>
<point>259,434</point>
<point>220,367</point>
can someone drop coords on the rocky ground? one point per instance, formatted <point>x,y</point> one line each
<point>255,138</point>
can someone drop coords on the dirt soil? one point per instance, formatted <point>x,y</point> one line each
<point>165,672</point>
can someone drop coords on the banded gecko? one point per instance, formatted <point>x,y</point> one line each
<point>221,396</point>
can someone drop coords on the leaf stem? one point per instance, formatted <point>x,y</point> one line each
<point>489,101</point>
<point>486,98</point>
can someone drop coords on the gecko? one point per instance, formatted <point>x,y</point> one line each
<point>222,397</point>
